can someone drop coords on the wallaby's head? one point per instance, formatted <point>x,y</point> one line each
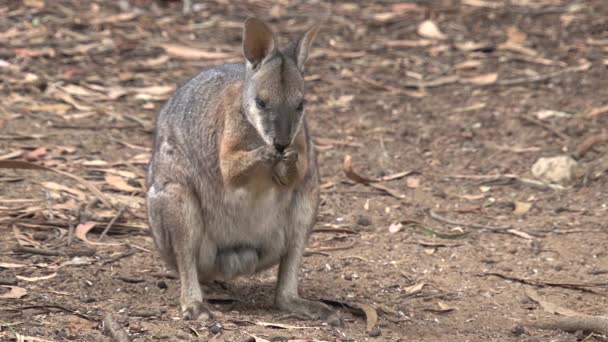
<point>273,94</point>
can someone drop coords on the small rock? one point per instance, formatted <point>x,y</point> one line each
<point>364,221</point>
<point>375,332</point>
<point>519,330</point>
<point>559,169</point>
<point>216,328</point>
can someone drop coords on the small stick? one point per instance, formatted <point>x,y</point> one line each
<point>111,223</point>
<point>545,126</point>
<point>118,257</point>
<point>116,332</point>
<point>440,218</point>
<point>596,324</point>
<point>39,251</point>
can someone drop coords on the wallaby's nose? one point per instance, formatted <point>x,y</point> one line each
<point>280,147</point>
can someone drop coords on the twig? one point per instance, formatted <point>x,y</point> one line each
<point>440,218</point>
<point>60,307</point>
<point>588,143</point>
<point>38,251</point>
<point>119,256</point>
<point>116,332</point>
<point>577,286</point>
<point>540,78</point>
<point>545,126</point>
<point>596,324</point>
<point>111,223</point>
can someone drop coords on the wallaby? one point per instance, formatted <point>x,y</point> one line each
<point>233,180</point>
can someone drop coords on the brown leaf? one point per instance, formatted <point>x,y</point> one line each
<point>370,315</point>
<point>27,53</point>
<point>429,29</point>
<point>152,62</point>
<point>548,306</point>
<point>35,154</point>
<point>11,265</point>
<point>412,182</point>
<point>59,187</point>
<point>55,108</point>
<point>154,90</point>
<point>598,111</point>
<point>414,289</point>
<point>521,208</point>
<point>33,279</point>
<point>351,174</point>
<point>409,43</point>
<point>481,79</point>
<point>15,292</point>
<point>83,229</point>
<point>11,155</point>
<point>193,53</point>
<point>119,183</point>
<point>34,3</point>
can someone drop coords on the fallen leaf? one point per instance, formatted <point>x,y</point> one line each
<point>409,43</point>
<point>473,197</point>
<point>11,155</point>
<point>371,315</point>
<point>33,279</point>
<point>428,29</point>
<point>15,292</point>
<point>193,53</point>
<point>34,3</point>
<point>27,53</point>
<point>443,307</point>
<point>482,3</point>
<point>11,265</point>
<point>35,154</point>
<point>412,182</point>
<point>481,79</point>
<point>405,7</point>
<point>548,306</point>
<point>154,90</point>
<point>519,233</point>
<point>547,113</point>
<point>470,64</point>
<point>119,183</point>
<point>83,229</point>
<point>55,108</point>
<point>469,46</point>
<point>58,187</point>
<point>521,208</point>
<point>25,338</point>
<point>394,176</point>
<point>395,227</point>
<point>515,36</point>
<point>351,174</point>
<point>414,289</point>
<point>598,111</point>
<point>152,62</point>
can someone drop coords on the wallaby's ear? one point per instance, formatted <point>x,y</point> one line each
<point>303,45</point>
<point>258,41</point>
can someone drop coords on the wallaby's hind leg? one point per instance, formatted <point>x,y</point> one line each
<point>176,225</point>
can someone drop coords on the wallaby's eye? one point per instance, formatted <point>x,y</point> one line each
<point>260,103</point>
<point>300,107</point>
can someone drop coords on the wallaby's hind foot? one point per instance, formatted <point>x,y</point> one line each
<point>309,309</point>
<point>196,310</point>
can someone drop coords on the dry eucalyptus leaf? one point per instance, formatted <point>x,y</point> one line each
<point>15,292</point>
<point>428,29</point>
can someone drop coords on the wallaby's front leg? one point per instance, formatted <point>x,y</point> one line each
<point>236,166</point>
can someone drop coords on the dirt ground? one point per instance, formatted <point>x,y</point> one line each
<point>452,102</point>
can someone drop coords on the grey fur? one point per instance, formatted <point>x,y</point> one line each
<point>217,211</point>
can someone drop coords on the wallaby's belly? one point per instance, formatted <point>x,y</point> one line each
<point>251,231</point>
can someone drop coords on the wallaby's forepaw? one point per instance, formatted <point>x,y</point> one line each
<point>196,310</point>
<point>310,309</point>
<point>286,171</point>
